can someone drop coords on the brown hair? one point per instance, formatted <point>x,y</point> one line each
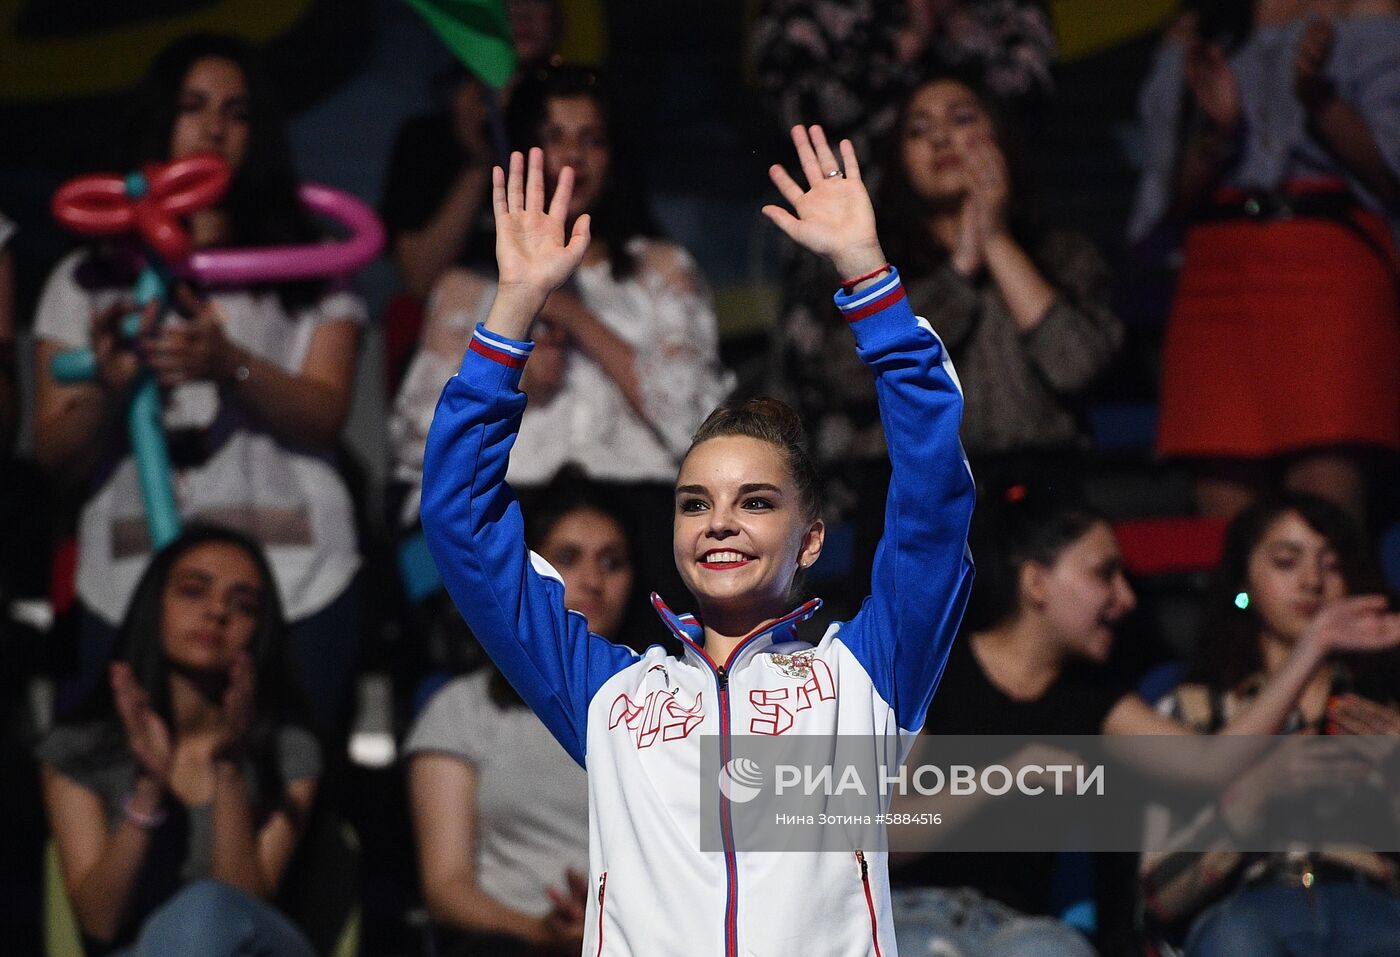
<point>774,422</point>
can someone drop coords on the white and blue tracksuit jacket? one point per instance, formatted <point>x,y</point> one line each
<point>635,721</point>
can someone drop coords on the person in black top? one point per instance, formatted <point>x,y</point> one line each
<point>1049,591</point>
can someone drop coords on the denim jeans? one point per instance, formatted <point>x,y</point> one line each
<point>1335,919</point>
<point>960,922</point>
<point>213,919</point>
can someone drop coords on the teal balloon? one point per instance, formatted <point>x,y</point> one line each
<point>153,463</point>
<point>74,365</point>
<point>150,286</point>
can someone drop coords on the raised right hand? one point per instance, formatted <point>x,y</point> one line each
<point>147,736</point>
<point>532,250</point>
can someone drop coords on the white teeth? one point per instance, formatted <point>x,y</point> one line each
<point>724,557</point>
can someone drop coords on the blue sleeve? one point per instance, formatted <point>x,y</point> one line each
<point>923,571</point>
<point>511,598</point>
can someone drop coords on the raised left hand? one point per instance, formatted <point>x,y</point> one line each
<point>834,217</point>
<point>194,350</point>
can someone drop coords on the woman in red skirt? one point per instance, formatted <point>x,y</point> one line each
<point>1282,356</point>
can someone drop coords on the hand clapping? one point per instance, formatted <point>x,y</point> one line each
<point>1310,81</point>
<point>1357,623</point>
<point>1213,85</point>
<point>236,707</point>
<point>147,736</point>
<point>983,214</point>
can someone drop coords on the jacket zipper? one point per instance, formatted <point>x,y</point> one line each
<point>869,901</point>
<point>602,888</point>
<point>731,865</point>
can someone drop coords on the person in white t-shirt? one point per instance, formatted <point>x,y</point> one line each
<point>500,810</point>
<point>257,380</point>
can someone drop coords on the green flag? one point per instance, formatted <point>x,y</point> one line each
<point>477,32</point>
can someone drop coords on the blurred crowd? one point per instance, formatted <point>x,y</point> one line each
<point>192,757</point>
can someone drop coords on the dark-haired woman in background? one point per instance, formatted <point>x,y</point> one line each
<point>258,378</point>
<point>499,807</point>
<point>1287,630</point>
<point>178,795</point>
<point>626,358</point>
<point>1049,591</point>
<point>1022,310</point>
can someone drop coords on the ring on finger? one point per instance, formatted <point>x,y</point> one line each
<point>834,173</point>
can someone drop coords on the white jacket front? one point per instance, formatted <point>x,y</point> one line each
<point>635,721</point>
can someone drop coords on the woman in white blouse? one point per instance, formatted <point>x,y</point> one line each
<point>627,363</point>
<point>257,382</point>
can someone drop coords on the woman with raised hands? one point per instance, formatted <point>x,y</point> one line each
<point>746,522</point>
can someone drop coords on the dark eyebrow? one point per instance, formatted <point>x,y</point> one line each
<point>758,487</point>
<point>746,489</point>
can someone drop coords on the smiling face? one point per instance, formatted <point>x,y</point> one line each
<point>741,533</point>
<point>1292,573</point>
<point>1082,595</point>
<point>211,607</point>
<point>942,124</point>
<point>211,114</point>
<point>589,550</point>
<point>575,133</point>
